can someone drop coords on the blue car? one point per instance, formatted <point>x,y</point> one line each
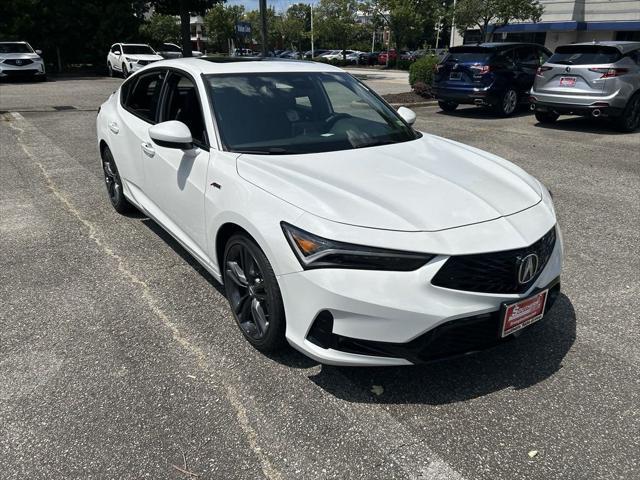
<point>494,75</point>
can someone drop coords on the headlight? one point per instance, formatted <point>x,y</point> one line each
<point>547,197</point>
<point>317,252</point>
<point>131,60</point>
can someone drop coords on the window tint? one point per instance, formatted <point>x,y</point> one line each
<point>181,103</point>
<point>543,56</point>
<point>115,48</point>
<point>143,97</point>
<point>585,55</point>
<point>7,47</point>
<point>506,58</point>
<point>138,50</point>
<point>527,55</point>
<point>468,55</point>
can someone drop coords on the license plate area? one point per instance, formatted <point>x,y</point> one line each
<point>567,81</point>
<point>523,313</point>
<point>455,76</point>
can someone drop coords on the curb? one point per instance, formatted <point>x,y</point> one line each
<point>415,104</point>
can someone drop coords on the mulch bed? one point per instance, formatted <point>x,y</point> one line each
<point>406,98</point>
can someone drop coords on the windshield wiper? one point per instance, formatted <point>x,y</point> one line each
<point>376,143</point>
<point>268,151</point>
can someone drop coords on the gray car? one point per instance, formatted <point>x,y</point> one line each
<point>596,79</point>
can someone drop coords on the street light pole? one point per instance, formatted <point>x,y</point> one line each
<point>453,24</point>
<point>312,52</point>
<point>263,26</point>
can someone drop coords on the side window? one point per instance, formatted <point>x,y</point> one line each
<point>527,56</point>
<point>505,59</point>
<point>143,97</point>
<point>181,103</point>
<point>543,56</point>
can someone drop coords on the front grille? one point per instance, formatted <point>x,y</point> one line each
<point>18,62</point>
<point>495,272</point>
<point>145,62</point>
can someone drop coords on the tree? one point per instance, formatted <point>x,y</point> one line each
<point>220,22</point>
<point>184,9</point>
<point>335,23</point>
<point>487,15</point>
<point>161,29</point>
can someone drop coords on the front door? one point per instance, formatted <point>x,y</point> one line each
<point>175,179</point>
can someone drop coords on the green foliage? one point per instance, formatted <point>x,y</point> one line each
<point>422,70</point>
<point>160,29</point>
<point>482,14</point>
<point>335,23</point>
<point>220,24</point>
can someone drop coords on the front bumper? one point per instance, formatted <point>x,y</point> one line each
<point>393,318</point>
<point>31,70</point>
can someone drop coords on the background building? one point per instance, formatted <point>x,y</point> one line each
<point>565,21</point>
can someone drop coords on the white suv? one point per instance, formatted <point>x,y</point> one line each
<point>18,59</point>
<point>127,58</point>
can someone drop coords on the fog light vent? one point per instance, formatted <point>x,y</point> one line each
<point>321,331</point>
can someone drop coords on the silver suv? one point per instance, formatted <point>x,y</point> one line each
<point>597,79</point>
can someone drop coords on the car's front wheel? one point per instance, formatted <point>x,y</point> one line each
<point>447,106</point>
<point>508,104</point>
<point>114,183</point>
<point>110,69</point>
<point>629,121</point>
<point>253,294</point>
<point>125,71</point>
<point>546,117</point>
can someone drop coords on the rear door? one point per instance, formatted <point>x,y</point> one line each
<point>576,70</point>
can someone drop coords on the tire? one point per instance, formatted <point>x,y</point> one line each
<point>447,106</point>
<point>110,69</point>
<point>253,293</point>
<point>113,183</point>
<point>546,117</point>
<point>629,120</point>
<point>508,103</point>
<point>125,71</point>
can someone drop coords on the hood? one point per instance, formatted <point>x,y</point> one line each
<point>427,184</point>
<point>148,57</point>
<point>22,56</point>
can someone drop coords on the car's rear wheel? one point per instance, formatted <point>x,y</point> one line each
<point>253,294</point>
<point>546,117</point>
<point>508,103</point>
<point>629,121</point>
<point>114,183</point>
<point>448,106</point>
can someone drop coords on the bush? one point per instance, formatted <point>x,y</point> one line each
<point>422,70</point>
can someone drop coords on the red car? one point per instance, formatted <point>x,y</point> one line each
<point>382,56</point>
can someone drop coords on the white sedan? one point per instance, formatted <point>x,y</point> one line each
<point>333,224</point>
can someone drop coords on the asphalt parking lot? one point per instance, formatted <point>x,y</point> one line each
<point>119,357</point>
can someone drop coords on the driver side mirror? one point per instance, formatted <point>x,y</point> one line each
<point>117,52</point>
<point>407,115</point>
<point>171,134</point>
<point>38,52</point>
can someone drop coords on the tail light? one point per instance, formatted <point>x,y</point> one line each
<point>541,70</point>
<point>610,72</point>
<point>479,70</point>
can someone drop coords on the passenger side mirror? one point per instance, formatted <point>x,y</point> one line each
<point>117,52</point>
<point>38,52</point>
<point>407,115</point>
<point>171,134</point>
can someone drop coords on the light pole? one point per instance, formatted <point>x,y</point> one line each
<point>312,52</point>
<point>263,26</point>
<point>453,24</point>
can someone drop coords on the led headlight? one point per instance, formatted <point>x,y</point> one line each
<point>130,60</point>
<point>317,252</point>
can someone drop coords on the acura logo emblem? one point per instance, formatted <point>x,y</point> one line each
<point>18,62</point>
<point>527,268</point>
<point>568,69</point>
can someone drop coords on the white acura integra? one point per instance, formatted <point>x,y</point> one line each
<point>332,224</point>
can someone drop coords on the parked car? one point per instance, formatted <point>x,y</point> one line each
<point>390,54</point>
<point>332,224</point>
<point>316,53</point>
<point>591,79</point>
<point>126,58</point>
<point>340,55</point>
<point>494,75</point>
<point>368,58</point>
<point>18,59</point>
<point>169,50</point>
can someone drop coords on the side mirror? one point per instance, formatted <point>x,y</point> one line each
<point>171,134</point>
<point>117,52</point>
<point>407,115</point>
<point>38,52</point>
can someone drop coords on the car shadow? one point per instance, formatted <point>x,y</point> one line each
<point>583,125</point>
<point>482,112</point>
<point>521,363</point>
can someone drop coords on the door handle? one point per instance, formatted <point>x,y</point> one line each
<point>113,126</point>
<point>148,149</point>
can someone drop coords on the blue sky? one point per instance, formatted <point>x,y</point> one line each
<point>279,5</point>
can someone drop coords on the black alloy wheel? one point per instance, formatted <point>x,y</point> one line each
<point>546,117</point>
<point>114,183</point>
<point>253,294</point>
<point>629,121</point>
<point>447,106</point>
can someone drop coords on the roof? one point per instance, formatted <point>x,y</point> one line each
<point>217,65</point>
<point>496,45</point>
<point>624,47</point>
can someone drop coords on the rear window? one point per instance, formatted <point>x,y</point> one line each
<point>468,55</point>
<point>585,55</point>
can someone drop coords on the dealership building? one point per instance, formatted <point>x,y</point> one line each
<point>566,21</point>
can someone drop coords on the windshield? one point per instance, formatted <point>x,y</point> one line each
<point>169,47</point>
<point>15,48</point>
<point>468,55</point>
<point>288,113</point>
<point>584,55</point>
<point>138,50</point>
